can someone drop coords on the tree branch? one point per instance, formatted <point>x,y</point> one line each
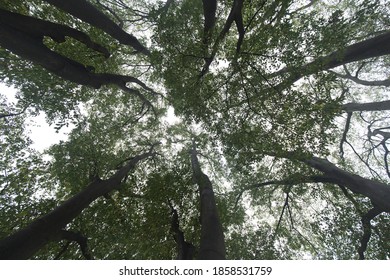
<point>209,11</point>
<point>385,83</point>
<point>79,239</point>
<point>344,137</point>
<point>38,28</point>
<point>366,223</point>
<point>185,250</point>
<point>366,107</point>
<point>87,12</point>
<point>234,15</point>
<point>281,215</point>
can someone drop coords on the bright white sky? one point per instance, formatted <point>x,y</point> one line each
<point>39,131</point>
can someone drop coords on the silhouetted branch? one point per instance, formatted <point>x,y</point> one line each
<point>344,137</point>
<point>366,222</point>
<point>79,239</point>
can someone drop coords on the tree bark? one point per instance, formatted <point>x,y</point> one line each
<point>212,244</point>
<point>377,192</point>
<point>88,13</point>
<point>24,243</point>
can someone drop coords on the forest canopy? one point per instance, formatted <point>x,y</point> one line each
<point>213,129</point>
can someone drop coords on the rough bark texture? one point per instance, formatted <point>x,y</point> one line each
<point>24,243</point>
<point>212,243</point>
<point>377,192</point>
<point>371,106</point>
<point>88,13</point>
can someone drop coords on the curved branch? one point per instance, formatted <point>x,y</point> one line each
<point>79,239</point>
<point>369,48</point>
<point>185,250</point>
<point>6,115</point>
<point>385,83</point>
<point>38,28</point>
<point>87,12</point>
<point>366,223</point>
<point>33,49</point>
<point>24,243</point>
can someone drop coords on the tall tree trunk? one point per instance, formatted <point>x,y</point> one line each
<point>377,192</point>
<point>212,243</point>
<point>24,243</point>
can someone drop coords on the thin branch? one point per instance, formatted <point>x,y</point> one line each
<point>287,181</point>
<point>6,115</point>
<point>385,83</point>
<point>344,137</point>
<point>281,215</point>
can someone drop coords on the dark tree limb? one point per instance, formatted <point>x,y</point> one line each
<point>212,243</point>
<point>30,47</point>
<point>385,136</point>
<point>281,215</point>
<point>209,11</point>
<point>24,243</point>
<point>38,28</point>
<point>385,83</point>
<point>185,250</point>
<point>377,192</point>
<point>80,239</point>
<point>366,223</point>
<point>369,48</point>
<point>344,137</point>
<point>366,107</point>
<point>87,12</point>
<point>235,15</point>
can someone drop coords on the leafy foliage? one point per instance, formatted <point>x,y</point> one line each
<point>257,109</point>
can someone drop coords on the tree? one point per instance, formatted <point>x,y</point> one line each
<point>259,89</point>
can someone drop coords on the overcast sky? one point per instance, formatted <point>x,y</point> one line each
<point>41,133</point>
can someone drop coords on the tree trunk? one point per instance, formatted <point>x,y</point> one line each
<point>377,192</point>
<point>88,13</point>
<point>24,243</point>
<point>212,244</point>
